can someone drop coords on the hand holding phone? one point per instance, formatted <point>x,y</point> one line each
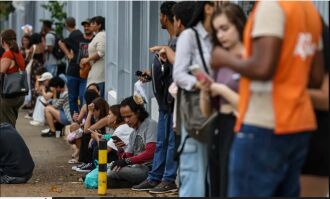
<point>116,138</point>
<point>200,75</point>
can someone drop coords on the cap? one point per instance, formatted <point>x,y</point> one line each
<point>86,21</point>
<point>45,76</point>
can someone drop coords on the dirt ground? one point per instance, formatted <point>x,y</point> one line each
<point>52,175</point>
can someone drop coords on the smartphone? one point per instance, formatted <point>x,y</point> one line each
<point>200,74</point>
<point>145,76</point>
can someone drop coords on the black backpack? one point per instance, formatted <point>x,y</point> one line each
<point>57,52</point>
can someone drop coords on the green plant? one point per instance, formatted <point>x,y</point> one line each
<point>6,8</point>
<point>57,15</point>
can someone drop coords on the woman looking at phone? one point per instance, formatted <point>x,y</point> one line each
<point>227,23</point>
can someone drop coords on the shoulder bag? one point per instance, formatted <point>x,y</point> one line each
<point>197,126</point>
<point>14,84</point>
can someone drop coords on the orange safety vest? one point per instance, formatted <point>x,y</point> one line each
<point>293,108</point>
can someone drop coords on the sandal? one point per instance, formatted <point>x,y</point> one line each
<point>73,161</point>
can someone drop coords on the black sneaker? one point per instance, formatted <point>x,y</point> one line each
<point>86,168</point>
<point>164,187</point>
<point>49,134</point>
<point>145,185</point>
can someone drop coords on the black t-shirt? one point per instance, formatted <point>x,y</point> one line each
<point>15,157</point>
<point>79,46</point>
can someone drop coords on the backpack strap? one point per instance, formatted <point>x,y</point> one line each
<point>16,63</point>
<point>200,50</point>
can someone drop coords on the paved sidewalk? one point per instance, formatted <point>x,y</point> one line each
<point>53,175</point>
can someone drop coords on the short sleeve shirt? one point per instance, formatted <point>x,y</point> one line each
<point>145,134</point>
<point>19,61</point>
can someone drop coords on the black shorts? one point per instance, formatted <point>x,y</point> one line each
<point>317,159</point>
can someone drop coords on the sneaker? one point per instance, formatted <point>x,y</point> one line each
<point>78,166</point>
<point>45,130</point>
<point>27,116</point>
<point>86,168</point>
<point>36,123</point>
<point>164,187</point>
<point>49,134</point>
<point>145,185</point>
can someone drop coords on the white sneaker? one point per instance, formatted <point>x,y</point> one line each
<point>45,130</point>
<point>28,117</point>
<point>36,123</point>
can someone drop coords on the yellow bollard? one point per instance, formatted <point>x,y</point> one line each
<point>102,176</point>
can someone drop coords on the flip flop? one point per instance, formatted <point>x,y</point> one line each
<point>73,161</point>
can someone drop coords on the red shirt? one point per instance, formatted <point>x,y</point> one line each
<point>19,60</point>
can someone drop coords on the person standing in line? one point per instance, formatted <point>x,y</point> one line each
<point>282,57</point>
<point>50,39</point>
<point>193,159</point>
<point>161,179</point>
<point>96,52</point>
<point>71,48</point>
<point>221,96</point>
<point>11,61</point>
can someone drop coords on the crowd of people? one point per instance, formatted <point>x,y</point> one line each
<point>243,101</point>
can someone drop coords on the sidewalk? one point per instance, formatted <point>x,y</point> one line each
<point>52,174</point>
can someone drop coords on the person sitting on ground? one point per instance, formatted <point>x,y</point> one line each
<point>81,144</point>
<point>96,120</point>
<point>121,132</point>
<point>60,110</point>
<point>133,166</point>
<point>83,111</point>
<point>16,163</point>
<point>75,134</point>
<point>43,99</point>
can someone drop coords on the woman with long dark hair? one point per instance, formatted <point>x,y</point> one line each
<point>11,61</point>
<point>193,159</point>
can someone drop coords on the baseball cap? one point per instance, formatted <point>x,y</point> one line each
<point>45,76</point>
<point>88,21</point>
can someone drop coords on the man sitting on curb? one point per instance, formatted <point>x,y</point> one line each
<point>133,166</point>
<point>60,110</point>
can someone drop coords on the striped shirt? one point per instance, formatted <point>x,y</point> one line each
<point>63,104</point>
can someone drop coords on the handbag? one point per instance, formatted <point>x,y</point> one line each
<point>196,125</point>
<point>84,70</point>
<point>14,84</point>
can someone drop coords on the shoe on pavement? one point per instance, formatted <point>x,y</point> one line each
<point>86,168</point>
<point>164,187</point>
<point>78,166</point>
<point>49,134</point>
<point>45,130</point>
<point>145,185</point>
<point>27,116</point>
<point>36,123</point>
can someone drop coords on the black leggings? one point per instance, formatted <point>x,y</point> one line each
<point>85,153</point>
<point>112,156</point>
<point>218,151</point>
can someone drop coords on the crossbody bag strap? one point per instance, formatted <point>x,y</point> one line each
<point>200,50</point>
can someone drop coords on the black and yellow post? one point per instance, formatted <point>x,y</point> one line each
<point>102,177</point>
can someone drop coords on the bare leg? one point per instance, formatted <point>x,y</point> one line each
<point>51,115</point>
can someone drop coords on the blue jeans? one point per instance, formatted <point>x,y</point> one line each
<point>263,164</point>
<point>193,167</point>
<point>164,167</point>
<point>52,68</point>
<point>102,88</point>
<point>76,88</point>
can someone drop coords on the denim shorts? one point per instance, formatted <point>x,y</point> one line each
<point>63,119</point>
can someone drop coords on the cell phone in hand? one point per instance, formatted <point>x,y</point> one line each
<point>200,74</point>
<point>145,76</point>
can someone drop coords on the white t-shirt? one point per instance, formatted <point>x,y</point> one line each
<point>123,132</point>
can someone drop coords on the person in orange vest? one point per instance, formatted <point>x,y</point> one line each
<point>282,58</point>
